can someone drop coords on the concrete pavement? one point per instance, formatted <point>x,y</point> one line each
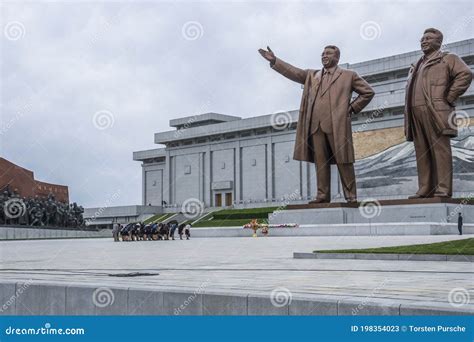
<point>229,276</point>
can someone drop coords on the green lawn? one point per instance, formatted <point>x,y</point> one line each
<point>152,219</point>
<point>464,246</point>
<point>223,223</point>
<point>253,213</point>
<point>235,217</point>
<point>158,218</point>
<point>247,211</point>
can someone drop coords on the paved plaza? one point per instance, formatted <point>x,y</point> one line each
<point>243,266</point>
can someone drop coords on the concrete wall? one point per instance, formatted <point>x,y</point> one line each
<point>23,233</point>
<point>438,213</point>
<point>126,210</point>
<point>186,171</point>
<point>223,166</point>
<point>360,229</point>
<point>287,169</point>
<point>253,168</point>
<point>223,173</point>
<point>40,298</point>
<point>106,216</point>
<point>154,187</point>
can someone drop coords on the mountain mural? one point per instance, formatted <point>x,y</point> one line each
<point>393,171</point>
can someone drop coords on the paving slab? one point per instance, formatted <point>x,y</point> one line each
<point>229,275</point>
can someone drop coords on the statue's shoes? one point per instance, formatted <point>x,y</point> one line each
<point>441,194</point>
<point>319,200</point>
<point>416,196</point>
<point>352,200</point>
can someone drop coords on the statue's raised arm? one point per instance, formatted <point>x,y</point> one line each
<point>268,55</point>
<point>289,71</point>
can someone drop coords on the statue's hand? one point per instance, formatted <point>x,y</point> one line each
<point>350,111</point>
<point>268,55</point>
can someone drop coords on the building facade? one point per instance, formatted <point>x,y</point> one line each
<point>17,179</point>
<point>102,217</point>
<point>223,160</point>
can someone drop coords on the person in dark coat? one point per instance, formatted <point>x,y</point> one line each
<point>180,231</point>
<point>164,231</point>
<point>159,231</point>
<point>126,232</point>
<point>154,231</point>
<point>460,223</point>
<point>172,230</point>
<point>115,231</point>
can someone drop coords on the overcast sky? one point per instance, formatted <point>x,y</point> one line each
<point>84,84</point>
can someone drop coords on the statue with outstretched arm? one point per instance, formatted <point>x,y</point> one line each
<point>324,130</point>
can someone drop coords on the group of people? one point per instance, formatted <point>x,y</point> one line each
<point>37,211</point>
<point>151,231</point>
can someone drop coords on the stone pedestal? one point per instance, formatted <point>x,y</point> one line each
<point>429,210</point>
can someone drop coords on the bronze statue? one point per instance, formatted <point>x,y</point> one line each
<point>324,131</point>
<point>42,212</point>
<point>434,83</point>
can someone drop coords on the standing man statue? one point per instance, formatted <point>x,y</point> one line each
<point>324,131</point>
<point>434,83</point>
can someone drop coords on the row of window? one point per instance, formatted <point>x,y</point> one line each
<point>394,112</point>
<point>52,189</point>
<point>362,116</point>
<point>402,73</point>
<point>386,76</point>
<point>231,136</point>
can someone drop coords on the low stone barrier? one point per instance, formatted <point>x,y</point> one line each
<point>31,233</point>
<point>31,298</point>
